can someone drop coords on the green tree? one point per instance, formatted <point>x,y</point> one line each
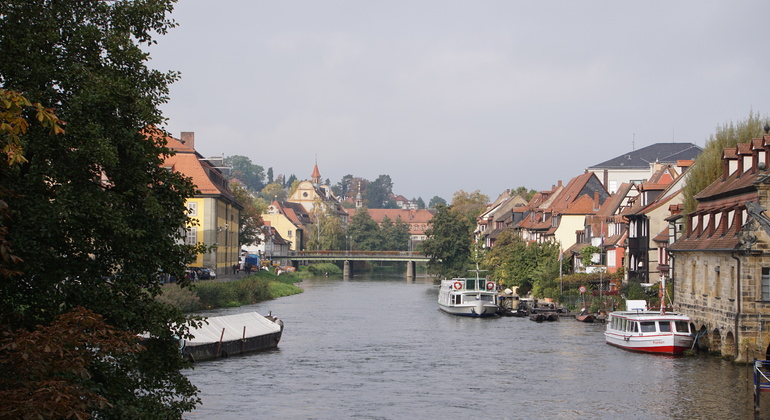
<point>250,174</point>
<point>436,201</point>
<point>290,181</point>
<point>395,234</point>
<point>94,215</point>
<point>469,205</point>
<point>525,193</point>
<point>273,192</point>
<point>514,262</point>
<point>379,191</point>
<point>420,203</point>
<point>364,231</point>
<point>448,243</point>
<point>250,219</point>
<point>270,175</point>
<point>342,189</point>
<point>327,232</point>
<point>708,165</point>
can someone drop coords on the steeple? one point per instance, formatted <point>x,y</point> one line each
<point>359,198</point>
<point>316,176</point>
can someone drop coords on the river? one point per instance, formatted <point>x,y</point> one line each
<point>379,348</point>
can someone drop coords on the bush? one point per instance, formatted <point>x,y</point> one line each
<point>324,268</point>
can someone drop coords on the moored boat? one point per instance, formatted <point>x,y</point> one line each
<point>222,336</point>
<point>638,329</point>
<point>475,297</point>
<point>584,316</point>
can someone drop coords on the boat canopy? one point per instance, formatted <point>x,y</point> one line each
<point>233,325</point>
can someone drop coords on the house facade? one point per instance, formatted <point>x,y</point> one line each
<point>416,219</point>
<point>214,211</point>
<point>291,220</point>
<point>721,262</point>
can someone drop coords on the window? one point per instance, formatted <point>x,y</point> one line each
<point>191,238</point>
<point>682,327</point>
<point>765,283</point>
<point>647,326</point>
<point>192,209</point>
<point>665,326</point>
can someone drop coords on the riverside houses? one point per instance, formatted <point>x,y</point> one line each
<point>721,262</point>
<point>214,208</point>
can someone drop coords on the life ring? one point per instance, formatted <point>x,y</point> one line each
<point>458,285</point>
<point>490,286</point>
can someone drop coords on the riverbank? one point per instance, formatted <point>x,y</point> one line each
<point>231,292</point>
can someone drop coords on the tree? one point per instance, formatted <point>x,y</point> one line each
<point>395,234</point>
<point>470,205</point>
<point>250,218</point>
<point>436,201</point>
<point>290,181</point>
<point>379,191</point>
<point>94,217</point>
<point>525,193</point>
<point>273,192</point>
<point>514,262</point>
<point>364,231</point>
<point>420,203</point>
<point>342,189</point>
<point>327,232</point>
<point>270,175</point>
<point>708,165</point>
<point>250,174</point>
<point>448,243</point>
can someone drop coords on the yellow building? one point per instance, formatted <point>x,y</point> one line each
<point>214,210</point>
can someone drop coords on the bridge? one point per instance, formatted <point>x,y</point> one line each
<point>410,257</point>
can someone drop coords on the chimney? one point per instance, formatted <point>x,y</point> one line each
<point>188,139</point>
<point>596,200</point>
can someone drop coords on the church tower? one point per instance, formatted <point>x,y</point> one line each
<point>316,176</point>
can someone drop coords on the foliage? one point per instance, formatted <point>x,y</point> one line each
<point>273,192</point>
<point>587,254</point>
<point>420,202</point>
<point>708,165</point>
<point>270,175</point>
<point>528,265</point>
<point>250,218</point>
<point>324,268</point>
<point>364,232</point>
<point>253,176</point>
<point>13,124</point>
<point>290,183</point>
<point>525,193</point>
<point>378,192</point>
<point>342,189</point>
<point>436,201</point>
<point>448,243</point>
<point>395,235</point>
<point>469,205</point>
<point>46,373</point>
<point>327,231</point>
<point>94,216</point>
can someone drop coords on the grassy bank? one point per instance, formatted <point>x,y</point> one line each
<point>258,287</point>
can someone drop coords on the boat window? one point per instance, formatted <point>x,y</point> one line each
<point>682,326</point>
<point>665,326</point>
<point>648,326</point>
<point>624,324</point>
<point>634,326</point>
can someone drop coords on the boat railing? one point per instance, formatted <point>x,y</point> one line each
<point>761,380</point>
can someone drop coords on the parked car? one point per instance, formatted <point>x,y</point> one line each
<point>207,274</point>
<point>191,275</point>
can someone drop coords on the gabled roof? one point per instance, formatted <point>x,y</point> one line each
<point>578,197</point>
<point>208,179</point>
<point>658,152</point>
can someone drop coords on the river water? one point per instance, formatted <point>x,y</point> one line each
<point>379,348</point>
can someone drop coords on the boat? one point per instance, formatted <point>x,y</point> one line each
<point>223,336</point>
<point>584,316</point>
<point>475,297</point>
<point>638,329</point>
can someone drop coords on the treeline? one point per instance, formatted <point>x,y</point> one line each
<point>375,194</point>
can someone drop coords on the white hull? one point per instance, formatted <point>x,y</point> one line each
<point>468,297</point>
<point>649,332</point>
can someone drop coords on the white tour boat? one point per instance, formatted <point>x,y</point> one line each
<point>638,329</point>
<point>475,297</point>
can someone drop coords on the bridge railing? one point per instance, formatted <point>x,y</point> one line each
<point>343,254</point>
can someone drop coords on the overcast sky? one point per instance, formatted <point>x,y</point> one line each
<point>448,95</point>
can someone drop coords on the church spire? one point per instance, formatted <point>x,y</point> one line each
<point>316,176</point>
